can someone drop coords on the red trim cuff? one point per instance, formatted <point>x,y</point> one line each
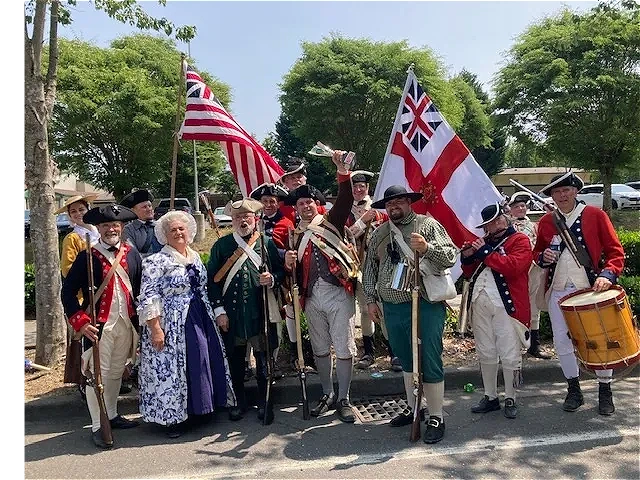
<point>79,319</point>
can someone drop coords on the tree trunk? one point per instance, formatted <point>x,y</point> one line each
<point>607,175</point>
<point>39,179</point>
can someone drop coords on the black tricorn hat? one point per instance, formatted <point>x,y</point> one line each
<point>361,176</point>
<point>519,197</point>
<point>568,179</point>
<point>134,198</point>
<point>396,191</point>
<point>490,213</point>
<point>304,191</point>
<point>293,165</point>
<point>109,213</point>
<point>269,189</point>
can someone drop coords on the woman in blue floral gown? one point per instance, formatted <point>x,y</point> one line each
<point>183,365</point>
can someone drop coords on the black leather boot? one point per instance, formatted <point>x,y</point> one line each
<point>574,396</point>
<point>605,399</point>
<point>534,349</point>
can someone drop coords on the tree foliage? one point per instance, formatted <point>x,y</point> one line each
<point>115,113</point>
<point>226,184</point>
<point>41,17</point>
<point>572,84</point>
<point>345,93</point>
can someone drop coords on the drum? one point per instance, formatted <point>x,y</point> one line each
<point>602,328</point>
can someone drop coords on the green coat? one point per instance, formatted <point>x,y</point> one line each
<point>243,298</point>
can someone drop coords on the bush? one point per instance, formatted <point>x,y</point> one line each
<point>630,241</point>
<point>204,256</point>
<point>29,288</point>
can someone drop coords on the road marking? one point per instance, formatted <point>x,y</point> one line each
<point>415,452</point>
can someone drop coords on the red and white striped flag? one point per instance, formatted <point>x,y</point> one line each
<point>206,119</point>
<point>425,155</point>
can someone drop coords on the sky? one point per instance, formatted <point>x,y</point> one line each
<point>251,45</point>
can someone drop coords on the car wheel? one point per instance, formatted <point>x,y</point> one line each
<point>614,204</point>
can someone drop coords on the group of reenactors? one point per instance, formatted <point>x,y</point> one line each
<point>345,260</point>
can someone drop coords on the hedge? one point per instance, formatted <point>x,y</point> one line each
<point>630,241</point>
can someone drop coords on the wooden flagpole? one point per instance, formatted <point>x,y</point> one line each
<point>174,165</point>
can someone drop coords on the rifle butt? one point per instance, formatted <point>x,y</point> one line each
<point>415,434</point>
<point>105,423</point>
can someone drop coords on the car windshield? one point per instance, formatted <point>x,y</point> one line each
<point>63,218</point>
<point>219,211</point>
<point>622,188</point>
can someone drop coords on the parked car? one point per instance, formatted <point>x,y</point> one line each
<point>622,196</point>
<point>221,219</point>
<point>27,224</point>
<point>178,204</point>
<point>635,184</point>
<point>63,222</point>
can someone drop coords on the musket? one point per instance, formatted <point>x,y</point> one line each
<point>207,207</point>
<point>416,345</point>
<point>295,298</point>
<point>268,407</point>
<point>96,381</point>
<point>578,252</point>
<point>463,315</point>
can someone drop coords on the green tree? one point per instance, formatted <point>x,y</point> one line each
<point>572,83</point>
<point>474,130</point>
<point>115,112</point>
<point>42,17</point>
<point>226,184</point>
<point>345,93</point>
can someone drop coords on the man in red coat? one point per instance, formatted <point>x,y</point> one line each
<point>295,176</point>
<point>498,266</point>
<point>592,229</point>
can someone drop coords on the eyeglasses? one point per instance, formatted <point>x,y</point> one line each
<point>243,216</point>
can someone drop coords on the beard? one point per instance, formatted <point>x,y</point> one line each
<point>245,229</point>
<point>396,214</point>
<point>111,239</point>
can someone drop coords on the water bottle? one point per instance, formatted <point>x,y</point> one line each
<point>555,245</point>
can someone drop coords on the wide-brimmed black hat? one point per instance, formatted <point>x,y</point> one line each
<point>109,213</point>
<point>361,176</point>
<point>568,179</point>
<point>269,189</point>
<point>305,191</point>
<point>519,197</point>
<point>134,198</point>
<point>490,213</point>
<point>396,191</point>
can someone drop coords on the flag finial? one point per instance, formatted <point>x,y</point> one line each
<point>410,69</point>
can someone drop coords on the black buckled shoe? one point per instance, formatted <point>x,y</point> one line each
<point>345,411</point>
<point>270,416</point>
<point>396,365</point>
<point>510,408</point>
<point>405,418</point>
<point>574,398</point>
<point>365,362</point>
<point>485,405</point>
<point>435,430</point>
<point>235,414</point>
<point>324,404</point>
<point>98,441</point>
<point>122,423</point>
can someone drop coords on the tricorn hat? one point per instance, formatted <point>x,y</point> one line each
<point>519,197</point>
<point>293,165</point>
<point>396,191</point>
<point>304,191</point>
<point>490,213</point>
<point>269,189</point>
<point>88,198</point>
<point>568,179</point>
<point>246,205</point>
<point>134,198</point>
<point>109,213</point>
<point>361,176</point>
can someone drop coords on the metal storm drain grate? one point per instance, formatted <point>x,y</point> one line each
<point>373,409</point>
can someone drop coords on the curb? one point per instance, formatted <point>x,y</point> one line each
<point>286,391</point>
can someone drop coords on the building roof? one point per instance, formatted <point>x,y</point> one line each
<point>538,170</point>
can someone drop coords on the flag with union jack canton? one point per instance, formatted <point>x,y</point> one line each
<point>206,119</point>
<point>425,155</point>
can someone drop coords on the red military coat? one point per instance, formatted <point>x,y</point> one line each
<point>510,264</point>
<point>595,231</point>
